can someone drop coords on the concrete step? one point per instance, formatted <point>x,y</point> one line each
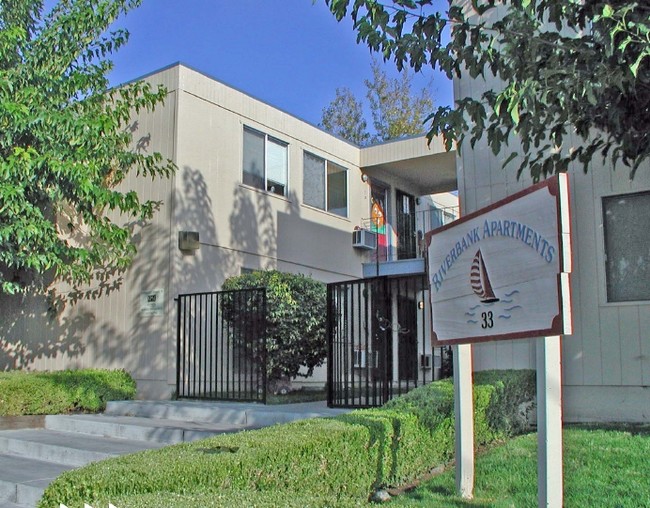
<point>66,448</point>
<point>24,480</point>
<point>233,413</point>
<point>8,504</point>
<point>137,428</point>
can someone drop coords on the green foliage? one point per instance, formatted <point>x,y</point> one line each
<point>311,463</point>
<point>295,325</point>
<point>230,499</point>
<point>42,393</point>
<point>65,143</point>
<point>396,111</point>
<point>323,456</point>
<point>576,74</point>
<point>512,401</point>
<point>344,118</point>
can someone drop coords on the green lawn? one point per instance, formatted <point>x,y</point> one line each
<point>602,468</point>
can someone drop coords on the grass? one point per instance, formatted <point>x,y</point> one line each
<point>602,468</point>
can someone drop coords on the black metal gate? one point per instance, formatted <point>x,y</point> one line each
<point>221,349</point>
<point>379,340</point>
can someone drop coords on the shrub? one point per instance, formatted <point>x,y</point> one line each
<point>319,462</point>
<point>514,397</point>
<point>295,325</point>
<point>37,393</point>
<point>326,456</point>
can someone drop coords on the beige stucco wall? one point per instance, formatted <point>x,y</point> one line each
<point>242,227</point>
<point>606,362</point>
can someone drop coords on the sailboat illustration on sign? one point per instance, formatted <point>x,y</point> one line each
<point>480,281</point>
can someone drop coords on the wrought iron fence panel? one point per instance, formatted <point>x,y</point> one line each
<point>379,340</point>
<point>221,345</point>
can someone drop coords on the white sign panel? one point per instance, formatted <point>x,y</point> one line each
<point>152,303</point>
<point>502,272</point>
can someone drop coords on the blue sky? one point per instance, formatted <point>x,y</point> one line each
<point>292,54</point>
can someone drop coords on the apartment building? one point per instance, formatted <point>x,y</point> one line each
<point>255,188</point>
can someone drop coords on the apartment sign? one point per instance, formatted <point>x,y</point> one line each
<point>503,272</point>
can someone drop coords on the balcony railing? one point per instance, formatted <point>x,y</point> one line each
<point>403,238</point>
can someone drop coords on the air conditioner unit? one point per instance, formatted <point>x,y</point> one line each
<point>364,239</point>
<point>425,361</point>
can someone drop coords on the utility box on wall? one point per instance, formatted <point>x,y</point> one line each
<point>188,240</point>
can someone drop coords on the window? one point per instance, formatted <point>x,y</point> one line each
<point>325,185</point>
<point>265,162</point>
<point>627,247</point>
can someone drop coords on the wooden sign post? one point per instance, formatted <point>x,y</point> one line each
<point>503,273</point>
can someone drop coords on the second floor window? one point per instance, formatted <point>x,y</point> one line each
<point>325,185</point>
<point>265,162</point>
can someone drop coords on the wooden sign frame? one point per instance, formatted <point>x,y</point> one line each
<point>526,239</point>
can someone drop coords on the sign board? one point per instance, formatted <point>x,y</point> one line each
<point>503,272</point>
<point>152,303</point>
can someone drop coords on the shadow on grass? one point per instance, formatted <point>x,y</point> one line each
<point>635,429</point>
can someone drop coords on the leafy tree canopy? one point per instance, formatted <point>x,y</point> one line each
<point>572,70</point>
<point>396,110</point>
<point>343,117</point>
<point>65,145</point>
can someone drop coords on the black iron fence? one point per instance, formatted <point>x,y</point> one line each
<point>221,348</point>
<point>379,340</point>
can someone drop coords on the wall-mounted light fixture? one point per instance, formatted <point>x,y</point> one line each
<point>188,240</point>
<point>364,178</point>
<point>420,305</point>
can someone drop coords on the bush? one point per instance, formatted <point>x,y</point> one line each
<point>38,393</point>
<point>295,325</point>
<point>319,462</point>
<point>515,396</point>
<point>325,456</point>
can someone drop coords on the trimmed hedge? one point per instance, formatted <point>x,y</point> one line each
<point>39,393</point>
<point>319,462</point>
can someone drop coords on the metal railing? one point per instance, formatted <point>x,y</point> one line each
<point>401,238</point>
<point>221,345</point>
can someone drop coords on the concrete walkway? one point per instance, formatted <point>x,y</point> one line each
<point>34,451</point>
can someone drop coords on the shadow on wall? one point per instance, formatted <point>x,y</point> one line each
<point>253,226</point>
<point>31,332</point>
<point>204,269</point>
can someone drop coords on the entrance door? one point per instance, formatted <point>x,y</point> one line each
<point>406,232</point>
<point>407,338</point>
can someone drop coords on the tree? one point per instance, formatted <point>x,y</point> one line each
<point>64,143</point>
<point>395,110</point>
<point>570,69</point>
<point>295,322</point>
<point>344,118</point>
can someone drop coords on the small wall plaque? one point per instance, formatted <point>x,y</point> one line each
<point>152,303</point>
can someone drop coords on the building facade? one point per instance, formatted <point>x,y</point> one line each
<point>606,361</point>
<point>259,189</point>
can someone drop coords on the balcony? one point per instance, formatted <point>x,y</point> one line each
<point>400,243</point>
